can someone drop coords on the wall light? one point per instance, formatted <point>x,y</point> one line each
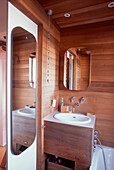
<point>67,15</point>
<point>111,4</point>
<point>32,70</point>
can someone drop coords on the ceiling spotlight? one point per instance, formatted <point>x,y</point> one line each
<point>111,4</point>
<point>49,12</point>
<point>67,15</point>
<point>26,38</point>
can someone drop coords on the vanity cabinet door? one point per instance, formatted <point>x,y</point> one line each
<point>23,131</point>
<point>70,142</point>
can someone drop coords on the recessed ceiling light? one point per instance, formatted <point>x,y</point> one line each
<point>67,15</point>
<point>111,4</point>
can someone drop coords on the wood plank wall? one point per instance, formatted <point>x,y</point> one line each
<point>22,93</point>
<point>36,13</point>
<point>84,71</point>
<point>21,88</point>
<point>99,98</point>
<point>51,89</point>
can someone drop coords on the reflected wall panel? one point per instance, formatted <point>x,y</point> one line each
<point>23,94</point>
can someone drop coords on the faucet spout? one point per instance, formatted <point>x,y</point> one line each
<point>75,105</point>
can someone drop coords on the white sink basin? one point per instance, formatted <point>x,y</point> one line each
<point>27,111</point>
<point>73,117</point>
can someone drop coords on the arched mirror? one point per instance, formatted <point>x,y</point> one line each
<point>23,89</point>
<point>77,68</point>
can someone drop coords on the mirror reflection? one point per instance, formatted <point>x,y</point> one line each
<point>77,68</point>
<point>23,89</point>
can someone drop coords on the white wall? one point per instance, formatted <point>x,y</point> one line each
<point>3,18</point>
<point>27,159</point>
<point>2,99</point>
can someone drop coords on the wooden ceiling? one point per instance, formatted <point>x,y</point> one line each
<point>82,11</point>
<point>20,34</point>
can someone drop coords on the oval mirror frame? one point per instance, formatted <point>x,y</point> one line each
<point>77,72</point>
<point>17,19</point>
<point>23,89</point>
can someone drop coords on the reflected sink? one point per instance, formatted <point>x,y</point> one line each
<point>73,117</point>
<point>27,111</point>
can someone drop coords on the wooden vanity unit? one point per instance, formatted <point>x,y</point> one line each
<point>71,142</point>
<point>23,131</point>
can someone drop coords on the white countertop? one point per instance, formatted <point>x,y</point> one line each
<point>88,125</point>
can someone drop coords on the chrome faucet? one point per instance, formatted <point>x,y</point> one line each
<point>75,105</point>
<point>72,98</point>
<point>81,99</point>
<point>34,105</point>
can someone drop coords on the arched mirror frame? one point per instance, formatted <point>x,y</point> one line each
<point>62,52</point>
<point>77,52</point>
<point>23,104</point>
<point>25,160</point>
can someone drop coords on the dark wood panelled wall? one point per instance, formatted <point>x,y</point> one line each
<point>99,98</point>
<point>51,89</point>
<point>22,93</point>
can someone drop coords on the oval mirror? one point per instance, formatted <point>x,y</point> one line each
<point>77,68</point>
<point>23,89</point>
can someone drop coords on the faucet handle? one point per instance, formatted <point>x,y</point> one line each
<point>76,104</point>
<point>82,99</point>
<point>72,98</point>
<point>95,134</point>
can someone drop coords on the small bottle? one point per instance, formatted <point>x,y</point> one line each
<point>52,159</point>
<point>56,159</point>
<point>59,161</point>
<point>62,104</point>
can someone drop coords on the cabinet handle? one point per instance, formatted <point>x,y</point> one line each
<point>25,142</point>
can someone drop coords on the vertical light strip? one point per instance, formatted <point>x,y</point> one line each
<point>34,72</point>
<point>30,71</point>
